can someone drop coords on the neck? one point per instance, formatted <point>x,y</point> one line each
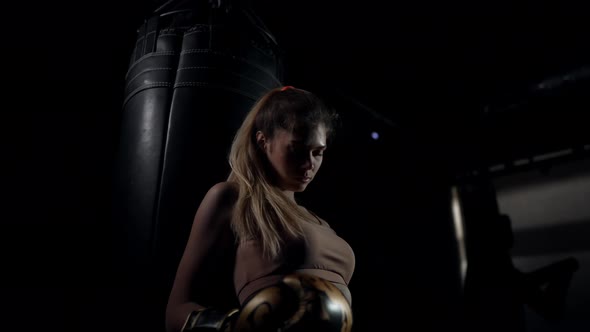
<point>290,195</point>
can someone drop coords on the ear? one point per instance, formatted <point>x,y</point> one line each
<point>260,139</point>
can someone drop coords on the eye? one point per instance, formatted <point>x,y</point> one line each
<point>318,153</point>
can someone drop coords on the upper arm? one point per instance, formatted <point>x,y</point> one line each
<point>207,261</point>
<point>210,227</point>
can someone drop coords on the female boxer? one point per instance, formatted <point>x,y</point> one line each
<point>255,256</point>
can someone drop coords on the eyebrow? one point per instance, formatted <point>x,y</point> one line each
<point>301,142</point>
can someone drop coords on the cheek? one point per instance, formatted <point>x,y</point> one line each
<point>289,160</point>
<point>282,162</point>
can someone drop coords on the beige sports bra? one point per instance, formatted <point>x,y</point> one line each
<point>321,252</point>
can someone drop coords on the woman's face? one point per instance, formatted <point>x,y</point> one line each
<point>296,157</point>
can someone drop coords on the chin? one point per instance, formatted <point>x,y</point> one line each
<point>299,187</point>
<point>302,187</point>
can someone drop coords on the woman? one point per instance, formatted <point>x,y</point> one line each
<point>249,233</point>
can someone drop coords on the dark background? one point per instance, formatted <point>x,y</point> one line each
<point>431,77</point>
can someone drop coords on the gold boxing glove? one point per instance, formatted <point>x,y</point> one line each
<point>206,320</point>
<point>299,303</point>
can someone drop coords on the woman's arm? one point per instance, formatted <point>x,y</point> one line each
<point>209,252</point>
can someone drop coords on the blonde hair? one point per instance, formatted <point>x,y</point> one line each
<point>262,212</point>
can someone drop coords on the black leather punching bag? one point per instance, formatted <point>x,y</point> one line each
<point>196,69</point>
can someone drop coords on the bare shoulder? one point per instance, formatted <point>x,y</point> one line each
<point>223,193</point>
<point>218,203</point>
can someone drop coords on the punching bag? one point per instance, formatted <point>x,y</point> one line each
<point>196,69</point>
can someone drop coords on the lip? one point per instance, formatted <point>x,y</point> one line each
<point>304,179</point>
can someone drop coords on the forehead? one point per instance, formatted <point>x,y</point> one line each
<point>308,136</point>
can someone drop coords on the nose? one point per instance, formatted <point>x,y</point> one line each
<point>308,163</point>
